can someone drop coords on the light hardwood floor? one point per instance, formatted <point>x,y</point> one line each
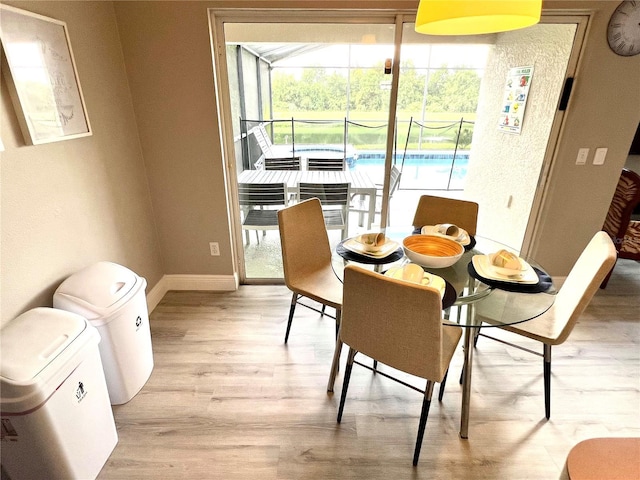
<point>228,400</point>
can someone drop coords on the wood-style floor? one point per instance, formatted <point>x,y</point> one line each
<point>228,400</point>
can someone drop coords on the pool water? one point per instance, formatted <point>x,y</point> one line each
<point>422,169</point>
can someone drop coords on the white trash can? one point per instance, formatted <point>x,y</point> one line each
<point>112,298</point>
<point>54,405</point>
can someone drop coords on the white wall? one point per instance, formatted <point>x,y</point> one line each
<point>504,165</point>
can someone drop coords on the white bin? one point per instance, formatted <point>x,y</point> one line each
<point>54,405</point>
<point>112,298</point>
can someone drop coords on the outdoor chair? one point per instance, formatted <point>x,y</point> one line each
<point>259,203</point>
<point>334,198</point>
<point>360,203</point>
<point>326,164</point>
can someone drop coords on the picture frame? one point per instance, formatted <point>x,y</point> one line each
<point>41,77</point>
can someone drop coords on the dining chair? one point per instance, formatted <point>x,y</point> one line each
<point>398,324</point>
<point>360,203</point>
<point>306,259</point>
<point>281,163</point>
<point>326,164</point>
<point>555,325</point>
<point>432,210</point>
<point>624,231</point>
<point>259,203</point>
<point>334,198</point>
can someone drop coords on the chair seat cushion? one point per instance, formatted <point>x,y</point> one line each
<point>605,459</point>
<point>261,218</point>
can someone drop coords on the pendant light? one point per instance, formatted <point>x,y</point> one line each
<point>472,17</point>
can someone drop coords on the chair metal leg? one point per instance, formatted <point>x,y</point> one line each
<point>547,380</point>
<point>426,403</point>
<point>345,382</point>
<point>442,385</point>
<point>294,299</point>
<point>338,317</point>
<point>335,364</point>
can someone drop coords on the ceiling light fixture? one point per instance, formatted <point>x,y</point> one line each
<point>473,17</point>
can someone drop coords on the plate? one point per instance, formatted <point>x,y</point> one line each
<point>355,246</point>
<point>428,279</point>
<point>482,264</point>
<point>463,238</point>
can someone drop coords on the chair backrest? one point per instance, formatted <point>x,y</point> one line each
<point>332,164</point>
<point>433,210</point>
<point>593,265</point>
<point>281,163</point>
<point>395,322</point>
<point>304,241</point>
<point>327,193</point>
<point>624,201</point>
<point>394,180</point>
<point>268,194</point>
<point>263,139</point>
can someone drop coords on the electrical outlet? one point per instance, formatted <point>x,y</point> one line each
<point>214,248</point>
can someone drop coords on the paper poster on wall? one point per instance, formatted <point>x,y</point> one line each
<point>516,91</point>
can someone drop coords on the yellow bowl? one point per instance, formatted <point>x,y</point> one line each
<point>432,251</point>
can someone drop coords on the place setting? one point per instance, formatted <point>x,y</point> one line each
<point>506,270</point>
<point>373,248</point>
<point>414,273</point>
<point>449,231</point>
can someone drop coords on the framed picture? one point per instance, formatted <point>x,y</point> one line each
<point>41,76</point>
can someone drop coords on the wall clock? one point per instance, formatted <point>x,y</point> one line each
<point>623,32</point>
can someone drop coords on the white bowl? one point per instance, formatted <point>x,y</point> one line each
<point>432,251</point>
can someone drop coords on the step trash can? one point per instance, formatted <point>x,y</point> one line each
<point>55,413</point>
<point>112,298</point>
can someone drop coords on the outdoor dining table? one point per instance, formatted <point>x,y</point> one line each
<point>504,303</point>
<point>360,182</point>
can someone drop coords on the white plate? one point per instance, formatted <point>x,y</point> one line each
<point>357,247</point>
<point>428,279</point>
<point>463,238</point>
<point>482,264</point>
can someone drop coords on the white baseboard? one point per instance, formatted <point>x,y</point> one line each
<point>217,283</point>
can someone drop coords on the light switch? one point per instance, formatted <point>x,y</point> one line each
<point>600,155</point>
<point>583,153</point>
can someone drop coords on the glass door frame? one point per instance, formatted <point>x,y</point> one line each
<point>217,19</point>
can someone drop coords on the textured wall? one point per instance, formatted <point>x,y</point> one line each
<point>507,165</point>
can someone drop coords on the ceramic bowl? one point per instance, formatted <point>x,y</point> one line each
<point>432,251</point>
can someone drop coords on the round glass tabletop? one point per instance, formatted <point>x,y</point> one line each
<point>503,302</point>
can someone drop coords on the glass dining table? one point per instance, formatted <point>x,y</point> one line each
<point>501,302</point>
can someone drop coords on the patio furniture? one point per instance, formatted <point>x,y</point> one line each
<point>259,203</point>
<point>334,198</point>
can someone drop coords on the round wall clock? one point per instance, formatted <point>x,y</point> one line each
<point>623,32</point>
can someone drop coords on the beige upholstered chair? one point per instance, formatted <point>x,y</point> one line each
<point>554,326</point>
<point>306,258</point>
<point>398,324</point>
<point>435,210</point>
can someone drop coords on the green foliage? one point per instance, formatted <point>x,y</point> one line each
<point>448,90</point>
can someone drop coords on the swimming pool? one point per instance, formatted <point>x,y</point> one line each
<point>422,169</point>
